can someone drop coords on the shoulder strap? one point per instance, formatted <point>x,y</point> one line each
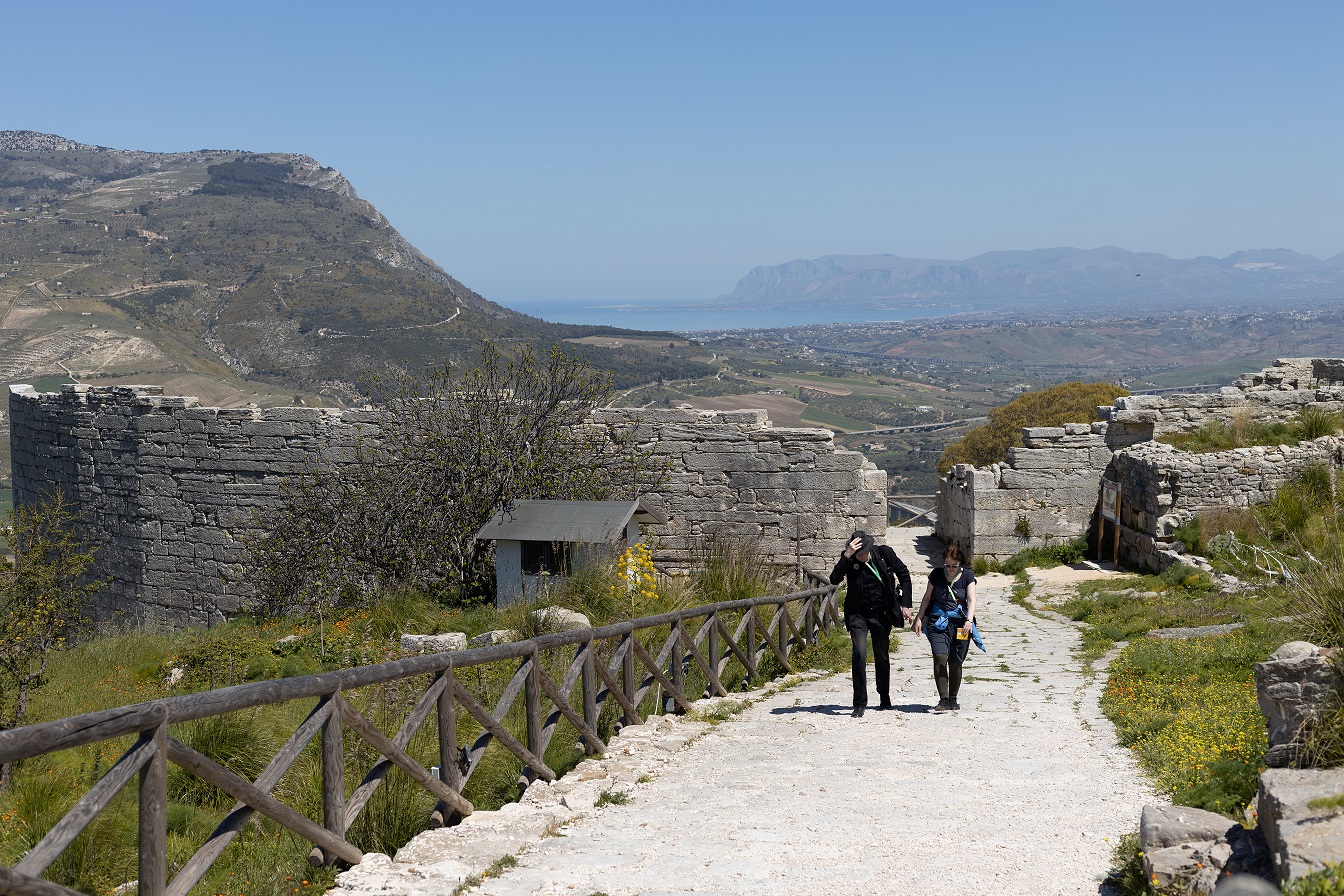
<point>882,565</point>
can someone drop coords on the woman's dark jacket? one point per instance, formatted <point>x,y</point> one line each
<point>864,596</point>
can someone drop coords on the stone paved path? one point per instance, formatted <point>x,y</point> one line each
<point>1022,792</point>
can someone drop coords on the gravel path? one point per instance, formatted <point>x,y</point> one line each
<point>1024,791</point>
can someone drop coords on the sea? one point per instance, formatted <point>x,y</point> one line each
<point>696,318</point>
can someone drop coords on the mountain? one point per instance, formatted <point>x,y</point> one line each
<point>1044,279</point>
<point>264,267</point>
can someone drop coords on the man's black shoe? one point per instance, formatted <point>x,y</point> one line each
<point>858,712</point>
<point>886,704</point>
<point>954,704</point>
<point>944,705</point>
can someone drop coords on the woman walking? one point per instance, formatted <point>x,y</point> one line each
<point>947,616</point>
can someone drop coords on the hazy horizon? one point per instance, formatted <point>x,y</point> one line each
<point>608,152</point>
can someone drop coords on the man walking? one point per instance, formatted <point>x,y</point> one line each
<point>872,606</point>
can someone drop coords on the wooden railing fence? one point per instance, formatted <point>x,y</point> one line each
<point>699,645</point>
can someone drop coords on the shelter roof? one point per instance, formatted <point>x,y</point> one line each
<point>583,522</point>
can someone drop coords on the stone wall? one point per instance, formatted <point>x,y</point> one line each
<point>1050,487</point>
<point>1277,393</point>
<point>1044,494</point>
<point>731,472</point>
<point>171,490</point>
<point>1162,488</point>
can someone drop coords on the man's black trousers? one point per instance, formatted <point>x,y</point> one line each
<point>860,628</point>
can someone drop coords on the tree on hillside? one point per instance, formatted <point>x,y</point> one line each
<point>1054,406</point>
<point>42,593</point>
<point>456,448</point>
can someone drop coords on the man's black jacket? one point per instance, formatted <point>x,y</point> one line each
<point>891,568</point>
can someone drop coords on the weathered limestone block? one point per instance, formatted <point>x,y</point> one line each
<point>441,643</point>
<point>1293,686</point>
<point>491,638</point>
<point>842,461</point>
<point>1191,851</point>
<point>559,619</point>
<point>1049,458</point>
<point>789,435</point>
<point>695,434</point>
<point>1045,479</point>
<point>1301,839</point>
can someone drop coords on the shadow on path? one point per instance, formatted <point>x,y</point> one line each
<point>825,709</point>
<point>912,707</point>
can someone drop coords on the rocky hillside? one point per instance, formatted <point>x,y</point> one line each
<point>267,267</point>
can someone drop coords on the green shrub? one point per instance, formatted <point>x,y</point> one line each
<point>1228,786</point>
<point>1315,597</point>
<point>235,740</point>
<point>1191,534</point>
<point>1329,882</point>
<point>1181,575</point>
<point>733,568</point>
<point>1314,422</point>
<point>1068,552</point>
<point>1054,406</point>
<point>1126,874</point>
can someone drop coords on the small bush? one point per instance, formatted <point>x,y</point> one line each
<point>1228,786</point>
<point>235,741</point>
<point>1329,882</point>
<point>732,569</point>
<point>1191,534</point>
<point>1074,551</point>
<point>1127,867</point>
<point>1314,422</point>
<point>1316,597</point>
<point>612,798</point>
<point>1181,575</point>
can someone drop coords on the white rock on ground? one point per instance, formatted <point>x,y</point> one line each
<point>1025,791</point>
<point>440,643</point>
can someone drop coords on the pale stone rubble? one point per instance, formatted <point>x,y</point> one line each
<point>1047,491</point>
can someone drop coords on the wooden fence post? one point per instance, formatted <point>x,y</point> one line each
<point>154,816</point>
<point>450,772</point>
<point>752,646</point>
<point>532,695</point>
<point>591,715</point>
<point>676,665</point>
<point>333,776</point>
<point>712,645</point>
<point>628,684</point>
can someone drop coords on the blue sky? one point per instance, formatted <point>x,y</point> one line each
<point>638,151</point>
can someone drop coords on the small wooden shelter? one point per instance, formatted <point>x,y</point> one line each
<point>537,542</point>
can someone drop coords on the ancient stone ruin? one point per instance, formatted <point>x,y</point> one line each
<point>1047,491</point>
<point>172,490</point>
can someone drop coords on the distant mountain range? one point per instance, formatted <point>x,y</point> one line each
<point>1045,279</point>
